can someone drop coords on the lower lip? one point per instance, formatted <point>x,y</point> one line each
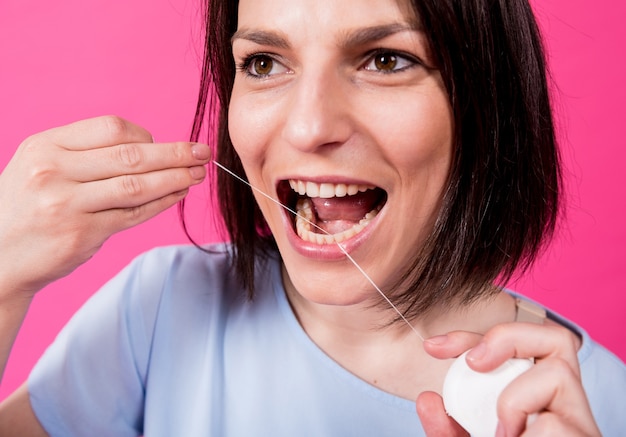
<point>327,252</point>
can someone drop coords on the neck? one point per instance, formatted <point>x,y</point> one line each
<point>362,339</point>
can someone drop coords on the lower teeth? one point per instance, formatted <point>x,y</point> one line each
<point>305,223</point>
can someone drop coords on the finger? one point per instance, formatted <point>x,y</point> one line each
<point>130,191</point>
<point>452,344</point>
<point>115,220</point>
<point>523,340</point>
<point>133,158</point>
<point>434,419</point>
<point>551,385</point>
<point>548,425</point>
<point>97,132</point>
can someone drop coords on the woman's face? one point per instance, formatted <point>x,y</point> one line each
<point>335,112</point>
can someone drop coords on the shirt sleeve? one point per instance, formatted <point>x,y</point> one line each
<point>91,380</point>
<point>604,380</point>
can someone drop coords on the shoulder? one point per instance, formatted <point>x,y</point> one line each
<point>163,262</point>
<point>603,376</point>
<point>182,284</point>
<point>187,267</point>
<point>604,379</point>
<point>183,269</point>
<point>164,289</point>
<point>591,354</point>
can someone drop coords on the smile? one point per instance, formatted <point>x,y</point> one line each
<point>329,213</point>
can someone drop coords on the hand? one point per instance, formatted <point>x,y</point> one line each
<point>551,389</point>
<point>434,418</point>
<point>68,189</point>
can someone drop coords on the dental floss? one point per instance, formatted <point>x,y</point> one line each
<point>474,406</point>
<point>470,397</point>
<point>370,280</point>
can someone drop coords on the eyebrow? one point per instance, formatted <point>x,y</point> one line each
<point>358,37</point>
<point>262,37</point>
<point>351,38</point>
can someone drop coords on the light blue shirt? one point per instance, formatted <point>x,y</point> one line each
<point>172,347</point>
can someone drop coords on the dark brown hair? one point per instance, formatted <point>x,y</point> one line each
<point>501,202</point>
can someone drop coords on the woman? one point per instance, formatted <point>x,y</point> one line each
<point>430,160</point>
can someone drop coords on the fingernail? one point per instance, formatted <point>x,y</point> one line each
<point>200,151</point>
<point>437,340</point>
<point>478,352</point>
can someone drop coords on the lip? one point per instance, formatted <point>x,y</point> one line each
<point>328,252</point>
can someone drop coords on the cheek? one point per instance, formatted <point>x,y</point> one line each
<point>239,121</point>
<point>250,125</point>
<point>420,149</point>
<point>419,137</point>
<point>250,130</point>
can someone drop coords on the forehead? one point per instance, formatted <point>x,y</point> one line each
<point>301,17</point>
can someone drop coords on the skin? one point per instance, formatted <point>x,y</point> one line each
<point>311,105</point>
<point>316,117</point>
<point>320,117</point>
<point>551,388</point>
<point>70,189</point>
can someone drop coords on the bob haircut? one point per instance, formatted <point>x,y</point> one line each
<point>501,202</point>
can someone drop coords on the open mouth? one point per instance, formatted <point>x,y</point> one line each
<point>331,213</point>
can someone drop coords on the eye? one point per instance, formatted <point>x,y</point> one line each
<point>388,62</point>
<point>261,66</point>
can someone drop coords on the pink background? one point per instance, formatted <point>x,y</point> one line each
<point>63,61</point>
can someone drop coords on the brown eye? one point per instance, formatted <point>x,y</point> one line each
<point>389,61</point>
<point>386,62</point>
<point>262,65</point>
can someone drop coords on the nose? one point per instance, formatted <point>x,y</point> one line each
<point>317,114</point>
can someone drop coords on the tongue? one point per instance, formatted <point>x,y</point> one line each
<point>347,210</point>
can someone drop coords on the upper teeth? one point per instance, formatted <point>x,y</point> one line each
<point>327,190</point>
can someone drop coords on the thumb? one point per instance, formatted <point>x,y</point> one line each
<point>435,421</point>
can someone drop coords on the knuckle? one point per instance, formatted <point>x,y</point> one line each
<point>74,241</point>
<point>563,340</point>
<point>32,145</point>
<point>547,424</point>
<point>40,173</point>
<point>180,152</point>
<point>559,368</point>
<point>115,126</point>
<point>54,206</point>
<point>509,410</point>
<point>130,155</point>
<point>497,332</point>
<point>36,149</point>
<point>131,185</point>
<point>39,163</point>
<point>566,337</point>
<point>133,214</point>
<point>508,404</point>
